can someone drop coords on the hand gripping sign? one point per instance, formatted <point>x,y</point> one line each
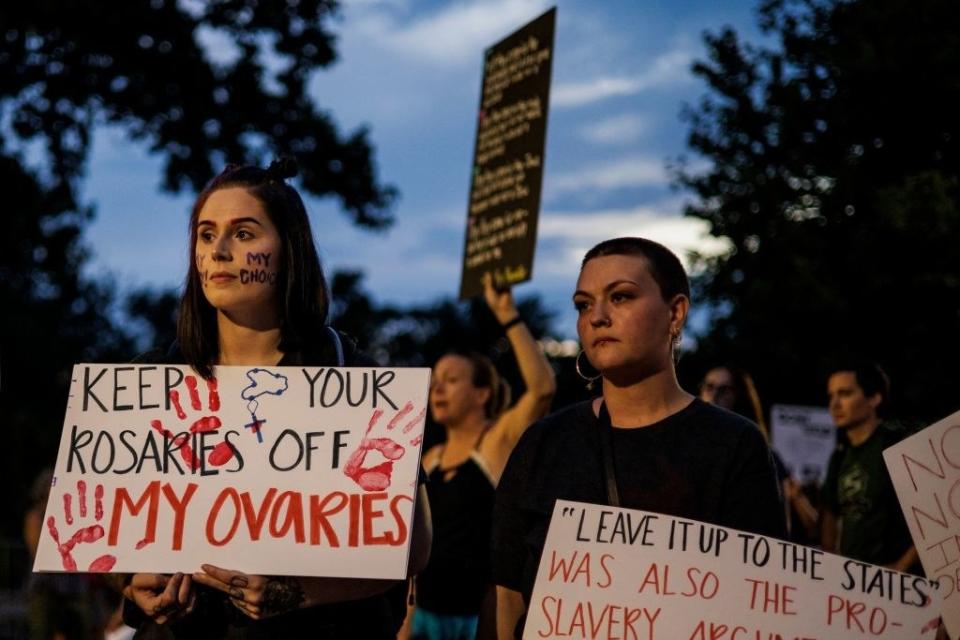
<point>617,573</point>
<point>305,471</point>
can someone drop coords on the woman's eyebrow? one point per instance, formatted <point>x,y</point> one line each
<point>237,221</point>
<point>234,222</point>
<point>617,283</point>
<point>612,285</point>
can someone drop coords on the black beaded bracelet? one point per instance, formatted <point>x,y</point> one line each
<point>516,320</point>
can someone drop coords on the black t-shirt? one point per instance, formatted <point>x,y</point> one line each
<point>858,490</point>
<point>378,616</point>
<point>702,463</point>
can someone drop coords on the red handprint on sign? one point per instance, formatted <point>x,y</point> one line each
<point>83,535</point>
<point>377,478</point>
<point>222,453</point>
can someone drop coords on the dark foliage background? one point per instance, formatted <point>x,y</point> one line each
<point>67,68</point>
<point>834,170</point>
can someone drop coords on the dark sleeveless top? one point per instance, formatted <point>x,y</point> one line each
<point>458,573</point>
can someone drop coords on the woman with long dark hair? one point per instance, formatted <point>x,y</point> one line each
<point>277,318</point>
<point>645,443</point>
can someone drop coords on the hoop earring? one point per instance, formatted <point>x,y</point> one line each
<point>591,381</point>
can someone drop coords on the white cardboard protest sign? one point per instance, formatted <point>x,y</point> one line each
<point>618,573</point>
<point>805,437</point>
<point>925,470</point>
<point>305,471</point>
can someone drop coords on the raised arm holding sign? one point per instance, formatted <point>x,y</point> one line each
<point>241,475</point>
<point>473,405</point>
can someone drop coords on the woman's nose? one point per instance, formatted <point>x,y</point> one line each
<point>221,248</point>
<point>598,315</point>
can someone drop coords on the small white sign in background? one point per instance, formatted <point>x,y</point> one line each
<point>805,437</point>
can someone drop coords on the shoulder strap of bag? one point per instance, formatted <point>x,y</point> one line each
<point>606,453</point>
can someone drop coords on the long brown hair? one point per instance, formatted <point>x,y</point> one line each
<point>302,294</point>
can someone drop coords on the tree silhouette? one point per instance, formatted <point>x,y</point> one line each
<point>141,66</point>
<point>834,171</point>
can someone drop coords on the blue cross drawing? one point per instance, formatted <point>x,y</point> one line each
<point>262,383</point>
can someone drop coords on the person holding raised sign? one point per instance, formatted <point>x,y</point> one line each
<point>255,295</point>
<point>645,443</point>
<point>470,400</point>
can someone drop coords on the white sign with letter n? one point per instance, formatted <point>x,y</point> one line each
<point>925,470</point>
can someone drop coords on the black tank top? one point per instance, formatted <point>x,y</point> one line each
<point>458,573</point>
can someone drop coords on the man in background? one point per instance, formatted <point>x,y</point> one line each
<point>861,515</point>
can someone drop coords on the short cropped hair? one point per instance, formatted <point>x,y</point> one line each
<point>871,378</point>
<point>665,266</point>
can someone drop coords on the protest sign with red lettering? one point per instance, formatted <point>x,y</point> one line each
<point>305,471</point>
<point>925,470</point>
<point>610,573</point>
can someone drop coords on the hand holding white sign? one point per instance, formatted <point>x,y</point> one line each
<point>164,598</point>
<point>255,596</point>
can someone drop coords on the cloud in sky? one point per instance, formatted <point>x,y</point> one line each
<point>411,71</point>
<point>668,69</point>
<point>452,36</point>
<point>627,172</point>
<point>622,129</point>
<point>578,231</point>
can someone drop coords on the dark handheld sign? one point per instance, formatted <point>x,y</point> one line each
<point>508,158</point>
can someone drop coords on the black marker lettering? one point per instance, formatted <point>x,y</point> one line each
<point>88,389</point>
<point>117,388</point>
